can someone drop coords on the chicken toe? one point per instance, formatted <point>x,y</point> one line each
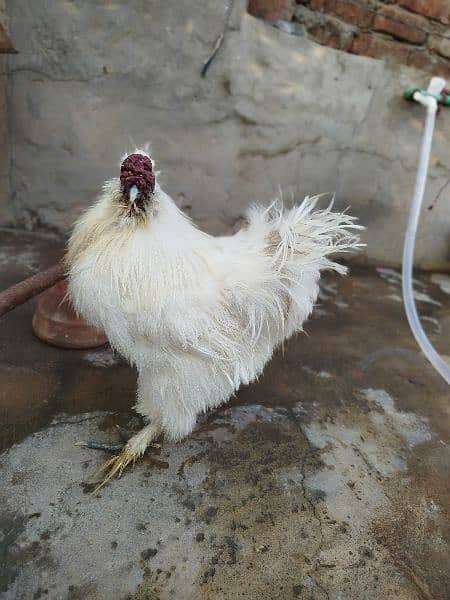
<point>125,454</point>
<point>111,448</point>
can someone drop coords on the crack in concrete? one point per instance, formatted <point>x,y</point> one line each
<point>365,460</point>
<point>293,417</point>
<point>438,195</point>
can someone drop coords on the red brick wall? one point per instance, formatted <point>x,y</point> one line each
<point>412,32</point>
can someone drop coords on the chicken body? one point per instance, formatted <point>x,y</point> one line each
<point>197,315</point>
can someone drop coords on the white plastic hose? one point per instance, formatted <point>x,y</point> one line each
<point>443,368</point>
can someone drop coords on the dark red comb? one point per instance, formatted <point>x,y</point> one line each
<point>137,169</point>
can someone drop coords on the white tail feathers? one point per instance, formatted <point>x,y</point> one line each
<point>304,236</point>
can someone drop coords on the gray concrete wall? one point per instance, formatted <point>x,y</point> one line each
<point>94,79</point>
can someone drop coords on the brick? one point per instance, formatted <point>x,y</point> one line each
<point>349,11</point>
<point>434,9</point>
<point>442,68</point>
<point>370,44</point>
<point>401,24</point>
<point>439,44</point>
<point>425,61</point>
<point>421,59</point>
<point>272,10</point>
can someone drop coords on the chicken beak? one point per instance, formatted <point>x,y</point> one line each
<point>134,192</point>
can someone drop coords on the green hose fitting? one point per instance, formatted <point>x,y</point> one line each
<point>441,99</point>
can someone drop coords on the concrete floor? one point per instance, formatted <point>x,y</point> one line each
<point>326,480</point>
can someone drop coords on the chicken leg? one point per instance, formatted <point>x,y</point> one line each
<point>127,453</point>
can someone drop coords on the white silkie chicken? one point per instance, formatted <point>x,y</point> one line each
<point>197,315</point>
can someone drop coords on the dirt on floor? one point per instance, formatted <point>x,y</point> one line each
<point>327,479</point>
